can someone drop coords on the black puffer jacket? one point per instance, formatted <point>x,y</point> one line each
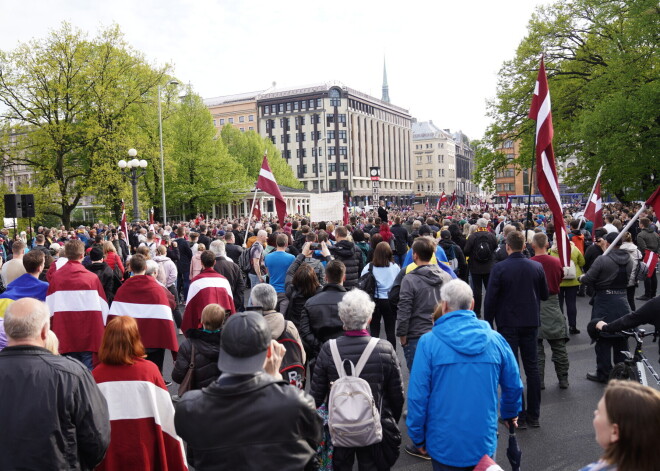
<point>232,272</point>
<point>475,266</point>
<point>249,423</point>
<point>382,372</point>
<point>207,350</point>
<point>297,302</point>
<point>351,256</point>
<point>320,318</point>
<point>107,277</point>
<point>66,423</point>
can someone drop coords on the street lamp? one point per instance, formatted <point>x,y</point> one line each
<point>162,162</point>
<point>133,165</point>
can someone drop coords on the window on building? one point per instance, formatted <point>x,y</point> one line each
<point>341,118</point>
<point>251,118</point>
<point>251,128</point>
<point>280,107</point>
<point>332,167</point>
<point>441,159</point>
<point>300,137</point>
<point>508,144</point>
<point>429,159</point>
<point>302,170</point>
<point>331,150</point>
<point>300,120</point>
<point>231,120</point>
<point>330,119</point>
<point>442,172</point>
<point>419,174</point>
<point>222,121</point>
<point>288,106</point>
<point>319,103</point>
<point>343,150</point>
<point>301,153</point>
<point>314,168</point>
<point>429,173</point>
<point>266,109</point>
<point>331,135</point>
<point>242,129</point>
<point>429,187</point>
<point>273,109</point>
<point>285,138</point>
<point>214,123</point>
<point>342,135</point>
<point>311,104</point>
<point>274,139</point>
<point>419,159</point>
<point>241,119</point>
<point>343,167</point>
<point>296,104</point>
<point>303,105</point>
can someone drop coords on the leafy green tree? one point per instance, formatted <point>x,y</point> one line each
<point>248,149</point>
<point>602,63</point>
<point>66,97</point>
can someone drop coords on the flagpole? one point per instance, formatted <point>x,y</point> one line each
<point>590,195</point>
<point>625,229</point>
<point>531,174</point>
<point>247,228</point>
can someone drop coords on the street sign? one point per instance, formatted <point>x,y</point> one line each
<point>375,184</point>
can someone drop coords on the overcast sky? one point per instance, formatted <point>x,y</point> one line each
<point>442,56</point>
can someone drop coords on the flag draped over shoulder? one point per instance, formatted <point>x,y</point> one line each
<point>267,183</point>
<point>123,224</point>
<point>594,209</point>
<point>546,172</point>
<point>142,298</point>
<point>78,308</point>
<point>209,287</point>
<point>141,419</point>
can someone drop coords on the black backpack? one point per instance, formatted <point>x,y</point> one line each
<point>245,260</point>
<point>368,283</point>
<point>483,252</point>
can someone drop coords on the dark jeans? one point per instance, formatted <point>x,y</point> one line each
<point>83,357</point>
<point>437,466</point>
<point>398,259</point>
<point>630,294</point>
<point>606,349</point>
<point>176,314</point>
<point>384,311</point>
<point>651,286</point>
<point>524,339</point>
<point>343,458</point>
<point>568,294</point>
<point>478,283</point>
<point>409,352</point>
<point>157,356</point>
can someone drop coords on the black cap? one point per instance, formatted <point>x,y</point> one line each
<point>425,229</point>
<point>445,235</point>
<point>600,233</point>
<point>611,236</point>
<point>96,254</point>
<point>243,343</point>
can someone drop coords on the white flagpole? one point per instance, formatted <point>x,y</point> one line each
<point>625,229</point>
<point>590,195</point>
<point>247,228</point>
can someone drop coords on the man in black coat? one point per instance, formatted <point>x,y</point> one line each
<point>480,248</point>
<point>401,241</point>
<point>382,211</point>
<point>233,250</point>
<point>66,424</point>
<point>104,272</point>
<point>516,287</point>
<point>231,271</point>
<point>185,257</point>
<point>350,255</point>
<point>203,236</point>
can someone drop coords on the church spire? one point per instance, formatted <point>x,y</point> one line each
<point>386,92</point>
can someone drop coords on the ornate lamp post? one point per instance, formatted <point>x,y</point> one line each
<point>133,176</point>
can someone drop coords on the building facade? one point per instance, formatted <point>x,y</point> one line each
<point>434,161</point>
<point>511,181</point>
<point>331,135</point>
<point>464,167</point>
<point>238,110</point>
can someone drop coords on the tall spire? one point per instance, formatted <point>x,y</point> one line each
<point>386,92</point>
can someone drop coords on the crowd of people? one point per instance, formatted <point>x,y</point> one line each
<point>283,322</point>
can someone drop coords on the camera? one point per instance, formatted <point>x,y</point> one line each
<point>315,246</point>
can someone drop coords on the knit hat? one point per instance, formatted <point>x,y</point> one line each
<point>96,254</point>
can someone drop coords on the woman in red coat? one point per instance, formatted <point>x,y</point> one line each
<point>141,412</point>
<point>111,257</point>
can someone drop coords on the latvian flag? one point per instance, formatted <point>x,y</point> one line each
<point>487,464</point>
<point>651,261</point>
<point>209,287</point>
<point>142,298</point>
<point>142,433</point>
<point>266,182</point>
<point>78,308</point>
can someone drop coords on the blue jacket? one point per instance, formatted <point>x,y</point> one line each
<point>441,259</point>
<point>452,393</point>
<point>516,287</point>
<point>26,286</point>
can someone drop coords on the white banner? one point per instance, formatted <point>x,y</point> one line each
<point>326,206</point>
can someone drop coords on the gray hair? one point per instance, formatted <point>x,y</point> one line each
<point>152,268</point>
<point>264,295</point>
<point>457,294</point>
<point>262,233</point>
<point>218,248</point>
<point>482,222</point>
<point>355,309</point>
<point>25,318</point>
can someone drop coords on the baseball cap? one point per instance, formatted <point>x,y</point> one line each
<point>611,236</point>
<point>243,343</point>
<point>96,254</point>
<point>445,235</point>
<point>425,229</point>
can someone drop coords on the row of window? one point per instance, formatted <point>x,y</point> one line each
<point>341,118</point>
<point>292,106</point>
<point>342,135</point>
<point>429,159</point>
<point>429,173</point>
<point>506,173</point>
<point>241,119</point>
<point>441,145</point>
<point>430,186</point>
<point>506,187</point>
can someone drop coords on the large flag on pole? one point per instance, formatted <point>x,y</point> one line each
<point>453,199</point>
<point>508,202</point>
<point>594,209</point>
<point>267,183</point>
<point>546,172</point>
<point>654,201</point>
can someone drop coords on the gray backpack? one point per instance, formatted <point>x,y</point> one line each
<point>353,418</point>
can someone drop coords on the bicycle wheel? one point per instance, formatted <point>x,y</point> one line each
<point>624,372</point>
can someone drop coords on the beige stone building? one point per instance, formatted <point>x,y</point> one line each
<point>238,110</point>
<point>434,161</point>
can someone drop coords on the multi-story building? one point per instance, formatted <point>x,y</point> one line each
<point>464,167</point>
<point>511,181</point>
<point>238,110</point>
<point>331,135</point>
<point>434,161</point>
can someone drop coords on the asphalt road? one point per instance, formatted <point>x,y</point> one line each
<point>565,440</point>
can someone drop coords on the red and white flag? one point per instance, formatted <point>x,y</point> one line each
<point>443,200</point>
<point>651,261</point>
<point>654,201</point>
<point>594,210</point>
<point>256,211</point>
<point>346,215</point>
<point>142,298</point>
<point>151,215</point>
<point>267,183</point>
<point>453,199</point>
<point>123,225</point>
<point>508,202</point>
<point>209,287</point>
<point>78,308</point>
<point>487,464</point>
<point>546,172</point>
<point>142,432</point>
<point>427,204</point>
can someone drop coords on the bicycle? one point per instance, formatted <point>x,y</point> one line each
<point>632,368</point>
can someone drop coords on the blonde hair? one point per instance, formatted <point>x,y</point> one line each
<point>108,247</point>
<point>52,343</point>
<point>213,316</point>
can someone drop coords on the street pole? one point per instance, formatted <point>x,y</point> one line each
<point>134,182</point>
<point>133,176</point>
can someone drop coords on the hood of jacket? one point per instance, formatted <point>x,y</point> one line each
<point>620,256</point>
<point>631,249</point>
<point>428,274</point>
<point>206,343</point>
<point>651,229</point>
<point>98,267</point>
<point>161,258</point>
<point>344,248</point>
<point>463,332</point>
<point>276,323</point>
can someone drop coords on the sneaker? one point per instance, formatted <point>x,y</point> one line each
<point>563,383</point>
<point>168,383</point>
<point>176,398</point>
<point>595,378</point>
<point>522,423</point>
<point>643,298</point>
<point>573,330</point>
<point>414,451</point>
<point>534,423</point>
